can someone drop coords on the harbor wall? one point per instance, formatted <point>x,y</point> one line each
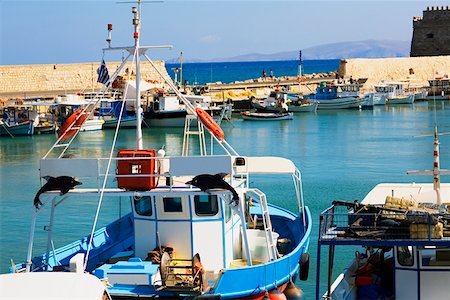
<point>417,70</point>
<point>26,80</point>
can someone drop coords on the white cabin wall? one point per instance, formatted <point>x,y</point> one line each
<point>208,242</point>
<point>144,237</point>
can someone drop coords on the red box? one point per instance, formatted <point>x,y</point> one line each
<point>134,167</point>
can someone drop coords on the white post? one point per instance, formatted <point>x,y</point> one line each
<point>136,22</point>
<point>31,240</point>
<point>50,231</point>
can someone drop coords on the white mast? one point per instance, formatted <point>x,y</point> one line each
<point>137,26</point>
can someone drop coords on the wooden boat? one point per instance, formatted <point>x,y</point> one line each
<point>255,116</point>
<point>303,107</point>
<point>24,128</point>
<point>337,96</point>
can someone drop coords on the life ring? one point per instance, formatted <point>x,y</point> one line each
<point>77,119</point>
<point>209,122</point>
<point>304,266</point>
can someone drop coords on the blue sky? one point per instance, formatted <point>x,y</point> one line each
<point>75,31</point>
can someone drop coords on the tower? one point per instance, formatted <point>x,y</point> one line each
<point>431,33</point>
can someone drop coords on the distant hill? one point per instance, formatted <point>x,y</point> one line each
<point>360,49</point>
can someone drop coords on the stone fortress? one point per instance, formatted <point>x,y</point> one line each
<point>431,35</point>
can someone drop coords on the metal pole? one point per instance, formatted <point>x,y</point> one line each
<point>244,231</point>
<point>50,231</point>
<point>330,269</point>
<point>138,79</point>
<point>31,240</point>
<point>318,270</point>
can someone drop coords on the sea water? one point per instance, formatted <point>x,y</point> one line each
<point>201,73</point>
<point>342,154</point>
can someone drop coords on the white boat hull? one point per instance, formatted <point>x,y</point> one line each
<point>125,123</point>
<point>267,116</point>
<point>401,100</point>
<point>92,125</point>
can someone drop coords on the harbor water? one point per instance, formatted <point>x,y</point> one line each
<point>342,154</point>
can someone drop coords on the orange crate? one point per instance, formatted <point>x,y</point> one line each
<point>135,167</point>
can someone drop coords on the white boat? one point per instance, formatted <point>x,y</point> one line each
<point>439,88</point>
<point>337,96</point>
<point>403,229</point>
<point>197,229</point>
<point>92,125</point>
<point>397,93</point>
<point>255,116</point>
<point>68,104</point>
<point>276,100</point>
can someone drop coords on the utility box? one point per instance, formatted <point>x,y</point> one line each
<point>134,166</point>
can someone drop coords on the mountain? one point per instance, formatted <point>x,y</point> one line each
<point>359,49</point>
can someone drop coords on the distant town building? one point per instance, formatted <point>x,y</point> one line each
<point>431,33</point>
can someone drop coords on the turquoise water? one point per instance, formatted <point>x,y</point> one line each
<point>342,155</point>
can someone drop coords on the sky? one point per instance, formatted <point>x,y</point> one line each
<point>33,32</point>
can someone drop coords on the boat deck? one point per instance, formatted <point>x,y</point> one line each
<point>341,226</point>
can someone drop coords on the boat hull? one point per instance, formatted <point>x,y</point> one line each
<point>267,116</point>
<point>307,107</point>
<point>25,128</point>
<point>401,100</point>
<point>339,103</point>
<point>124,123</point>
<point>92,125</point>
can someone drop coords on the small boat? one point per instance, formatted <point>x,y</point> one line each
<point>109,112</point>
<point>397,93</point>
<point>439,88</point>
<point>68,104</point>
<point>255,116</point>
<point>276,100</point>
<point>24,128</point>
<point>403,232</point>
<point>337,96</point>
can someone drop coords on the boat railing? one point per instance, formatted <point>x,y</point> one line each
<point>359,226</point>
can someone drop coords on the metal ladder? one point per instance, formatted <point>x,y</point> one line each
<point>271,246</point>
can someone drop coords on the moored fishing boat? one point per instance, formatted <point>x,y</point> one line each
<point>398,94</point>
<point>403,229</point>
<point>198,226</point>
<point>337,96</point>
<point>256,116</point>
<point>23,128</point>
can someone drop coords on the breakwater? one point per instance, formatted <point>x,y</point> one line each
<point>415,69</point>
<point>53,79</point>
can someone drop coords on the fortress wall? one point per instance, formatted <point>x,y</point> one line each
<point>49,77</point>
<point>396,69</point>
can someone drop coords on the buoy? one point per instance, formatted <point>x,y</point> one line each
<point>293,292</point>
<point>266,296</point>
<point>275,294</point>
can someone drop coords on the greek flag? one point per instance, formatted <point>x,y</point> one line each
<point>103,75</point>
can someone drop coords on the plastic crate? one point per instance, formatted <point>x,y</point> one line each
<point>135,167</point>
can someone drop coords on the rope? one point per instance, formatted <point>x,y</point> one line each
<point>102,191</point>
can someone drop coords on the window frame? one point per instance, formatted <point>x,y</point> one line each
<point>197,199</point>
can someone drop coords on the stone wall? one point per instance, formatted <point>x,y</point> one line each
<point>33,79</point>
<point>396,69</point>
<point>431,35</point>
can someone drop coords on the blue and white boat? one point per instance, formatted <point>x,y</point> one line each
<point>198,228</point>
<point>403,232</point>
<point>337,96</point>
<point>110,111</point>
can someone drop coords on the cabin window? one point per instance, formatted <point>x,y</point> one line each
<point>172,204</point>
<point>206,205</point>
<point>405,256</point>
<point>143,206</point>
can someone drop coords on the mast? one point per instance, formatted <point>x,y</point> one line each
<point>137,27</point>
<point>436,170</point>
